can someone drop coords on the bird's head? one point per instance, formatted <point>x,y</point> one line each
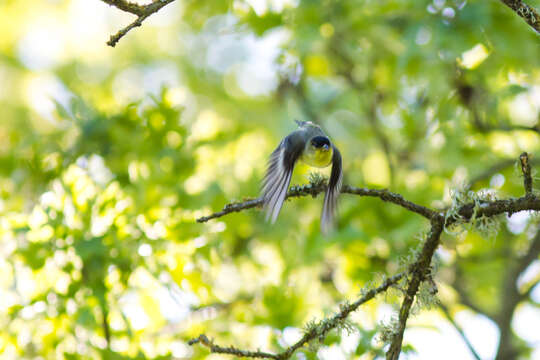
<point>321,143</point>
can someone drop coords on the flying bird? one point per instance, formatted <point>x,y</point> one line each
<point>310,145</point>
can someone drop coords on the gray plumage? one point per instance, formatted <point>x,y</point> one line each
<point>281,166</point>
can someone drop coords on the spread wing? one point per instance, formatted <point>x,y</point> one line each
<point>332,192</point>
<point>278,176</point>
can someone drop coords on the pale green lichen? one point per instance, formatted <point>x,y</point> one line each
<point>409,258</point>
<point>316,179</point>
<point>487,226</point>
<point>317,330</point>
<point>388,330</point>
<point>370,285</point>
<point>378,278</point>
<point>426,297</point>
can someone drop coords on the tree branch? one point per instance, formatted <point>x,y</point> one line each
<point>231,350</point>
<point>316,331</point>
<point>495,207</point>
<point>417,272</point>
<point>394,198</point>
<point>142,12</point>
<point>421,266</point>
<point>525,11</point>
<point>315,189</point>
<point>465,212</point>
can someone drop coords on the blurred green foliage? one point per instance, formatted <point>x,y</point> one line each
<point>107,157</point>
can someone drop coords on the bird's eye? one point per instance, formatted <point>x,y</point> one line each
<point>320,141</point>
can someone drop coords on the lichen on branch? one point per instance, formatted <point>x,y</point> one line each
<point>528,13</point>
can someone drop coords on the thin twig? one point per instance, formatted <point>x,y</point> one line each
<point>315,332</point>
<point>231,350</point>
<point>234,207</point>
<point>528,13</point>
<point>142,12</point>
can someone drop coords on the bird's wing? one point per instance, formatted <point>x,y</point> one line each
<point>332,192</point>
<point>278,176</point>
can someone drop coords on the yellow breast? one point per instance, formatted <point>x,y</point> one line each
<point>317,157</point>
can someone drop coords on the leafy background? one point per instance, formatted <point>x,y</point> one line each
<point>107,157</point>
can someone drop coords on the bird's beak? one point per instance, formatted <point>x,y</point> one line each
<point>325,147</point>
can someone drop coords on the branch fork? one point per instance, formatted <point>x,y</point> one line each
<point>141,11</point>
<point>417,272</point>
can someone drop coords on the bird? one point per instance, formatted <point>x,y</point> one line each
<point>310,145</point>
